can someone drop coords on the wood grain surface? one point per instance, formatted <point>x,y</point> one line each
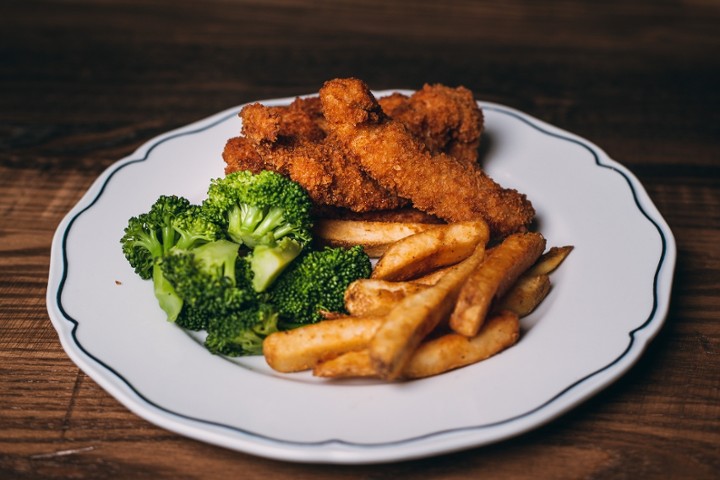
<point>84,83</point>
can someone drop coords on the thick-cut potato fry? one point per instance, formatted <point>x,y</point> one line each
<point>377,297</point>
<point>533,286</point>
<point>386,334</point>
<point>423,252</point>
<point>452,350</point>
<point>433,277</point>
<point>549,261</point>
<point>501,268</point>
<point>439,355</point>
<point>369,296</point>
<point>375,237</point>
<point>525,295</point>
<point>415,316</point>
<point>302,348</point>
<point>348,365</point>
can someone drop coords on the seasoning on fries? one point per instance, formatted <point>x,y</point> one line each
<point>438,300</point>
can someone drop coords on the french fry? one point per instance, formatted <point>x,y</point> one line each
<point>433,277</point>
<point>423,252</point>
<point>501,268</point>
<point>302,348</point>
<point>386,334</point>
<point>452,350</point>
<point>409,322</point>
<point>550,260</point>
<point>368,296</point>
<point>439,355</point>
<point>525,295</point>
<point>348,365</point>
<point>377,297</point>
<point>375,237</point>
<point>533,286</point>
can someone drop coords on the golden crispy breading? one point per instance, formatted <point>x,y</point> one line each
<point>275,142</point>
<point>447,120</point>
<point>437,184</point>
<point>240,154</point>
<point>302,120</point>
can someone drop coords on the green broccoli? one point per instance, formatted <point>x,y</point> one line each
<point>241,332</point>
<point>240,265</point>
<point>216,285</point>
<point>212,280</point>
<point>194,228</point>
<point>268,213</point>
<point>267,262</point>
<point>317,282</point>
<point>172,224</point>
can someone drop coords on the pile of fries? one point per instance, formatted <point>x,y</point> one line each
<point>439,298</point>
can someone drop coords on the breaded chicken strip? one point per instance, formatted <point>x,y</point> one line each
<point>301,121</point>
<point>437,184</point>
<point>447,120</point>
<point>296,147</point>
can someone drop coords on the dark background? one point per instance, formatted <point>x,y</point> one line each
<point>84,83</point>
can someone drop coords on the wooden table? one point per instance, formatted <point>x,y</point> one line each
<point>84,83</point>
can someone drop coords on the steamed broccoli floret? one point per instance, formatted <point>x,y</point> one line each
<point>216,285</point>
<point>239,266</point>
<point>264,210</point>
<point>241,332</point>
<point>193,228</point>
<point>260,208</point>
<point>151,235</point>
<point>317,281</point>
<point>212,280</point>
<point>172,224</point>
<point>219,259</point>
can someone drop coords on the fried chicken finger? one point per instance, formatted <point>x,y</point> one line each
<point>273,142</point>
<point>437,184</point>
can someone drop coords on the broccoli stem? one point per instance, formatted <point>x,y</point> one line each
<point>187,240</point>
<point>267,262</point>
<point>248,224</point>
<point>168,235</point>
<point>169,301</point>
<point>218,258</point>
<point>150,242</point>
<point>283,230</point>
<point>250,216</point>
<point>273,218</point>
<point>238,218</point>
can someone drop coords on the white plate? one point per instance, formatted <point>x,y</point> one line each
<point>609,299</point>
